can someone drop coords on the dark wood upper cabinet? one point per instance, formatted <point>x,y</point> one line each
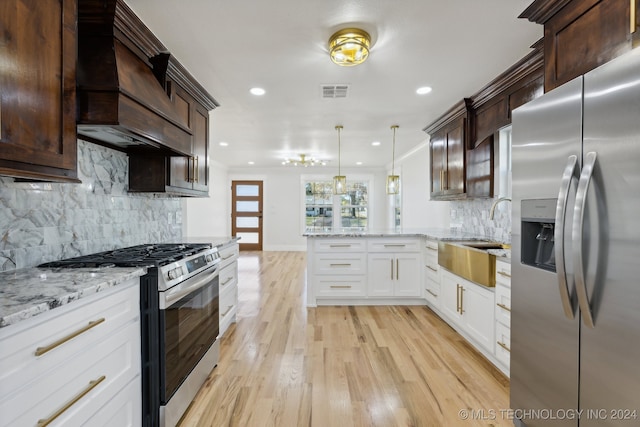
<point>448,139</point>
<point>37,92</point>
<point>580,35</point>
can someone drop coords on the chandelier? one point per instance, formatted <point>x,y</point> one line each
<point>305,161</point>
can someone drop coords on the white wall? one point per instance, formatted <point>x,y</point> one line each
<point>417,211</point>
<point>210,216</point>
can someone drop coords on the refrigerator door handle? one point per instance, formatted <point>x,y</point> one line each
<point>561,212</point>
<point>578,225</point>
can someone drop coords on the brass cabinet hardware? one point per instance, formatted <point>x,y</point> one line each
<point>187,178</point>
<point>340,265</point>
<point>193,169</point>
<point>502,273</point>
<point>432,293</point>
<point>457,298</point>
<point>196,167</point>
<point>432,249</point>
<point>632,15</point>
<point>69,404</point>
<point>339,246</point>
<point>227,311</point>
<point>340,286</point>
<point>503,345</point>
<point>391,269</point>
<point>394,245</point>
<point>503,306</point>
<point>432,269</point>
<point>42,350</point>
<point>226,281</point>
<point>461,299</point>
<point>397,269</point>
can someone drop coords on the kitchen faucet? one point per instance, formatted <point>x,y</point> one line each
<point>493,207</point>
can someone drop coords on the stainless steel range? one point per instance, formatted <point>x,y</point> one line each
<point>179,316</point>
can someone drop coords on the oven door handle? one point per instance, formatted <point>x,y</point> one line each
<point>168,298</point>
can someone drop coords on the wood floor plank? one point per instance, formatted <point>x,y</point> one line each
<point>283,364</point>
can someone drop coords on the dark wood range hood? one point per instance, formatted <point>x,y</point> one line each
<point>121,98</point>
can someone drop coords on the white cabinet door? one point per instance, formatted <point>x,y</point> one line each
<point>477,313</point>
<point>450,297</point>
<point>381,274</point>
<point>407,275</point>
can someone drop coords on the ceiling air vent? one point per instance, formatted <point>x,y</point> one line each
<point>335,91</point>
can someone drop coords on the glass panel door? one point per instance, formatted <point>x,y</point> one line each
<point>246,221</point>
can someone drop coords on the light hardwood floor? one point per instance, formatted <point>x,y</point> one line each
<point>286,365</point>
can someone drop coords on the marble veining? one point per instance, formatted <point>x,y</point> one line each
<point>25,293</point>
<point>431,233</point>
<point>42,222</point>
<point>472,216</point>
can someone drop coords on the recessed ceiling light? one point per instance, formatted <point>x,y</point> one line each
<point>258,91</point>
<point>358,163</point>
<point>423,90</point>
<point>252,163</point>
<point>375,143</point>
<point>224,144</point>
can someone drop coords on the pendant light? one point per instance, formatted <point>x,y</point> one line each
<point>393,181</point>
<point>339,181</point>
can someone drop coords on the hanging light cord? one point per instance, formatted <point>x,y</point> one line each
<point>338,127</point>
<point>393,154</point>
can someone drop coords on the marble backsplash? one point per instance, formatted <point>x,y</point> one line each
<point>41,222</point>
<point>472,216</point>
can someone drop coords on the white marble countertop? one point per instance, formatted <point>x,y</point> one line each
<point>28,292</point>
<point>216,241</point>
<point>431,233</point>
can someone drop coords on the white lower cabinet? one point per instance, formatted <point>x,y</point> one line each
<point>469,308</point>
<point>394,275</point>
<point>503,315</point>
<point>432,279</point>
<point>67,366</point>
<point>228,285</point>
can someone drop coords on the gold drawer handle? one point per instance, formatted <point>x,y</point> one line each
<point>394,245</point>
<point>632,16</point>
<point>340,286</point>
<point>432,249</point>
<point>432,269</point>
<point>339,246</point>
<point>503,307</point>
<point>502,273</point>
<point>91,386</point>
<point>340,265</point>
<point>226,281</point>
<point>42,350</point>
<point>434,294</point>
<point>503,345</point>
<point>227,312</point>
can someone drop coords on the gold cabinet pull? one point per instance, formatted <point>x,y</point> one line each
<point>457,298</point>
<point>432,293</point>
<point>340,286</point>
<point>226,281</point>
<point>432,269</point>
<point>632,15</point>
<point>391,269</point>
<point>432,249</point>
<point>340,265</point>
<point>504,307</point>
<point>503,345</point>
<point>339,246</point>
<point>226,312</point>
<point>69,404</point>
<point>502,273</point>
<point>42,350</point>
<point>196,169</point>
<point>394,245</point>
<point>461,300</point>
<point>397,269</point>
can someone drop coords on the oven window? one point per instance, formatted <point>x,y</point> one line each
<point>190,328</point>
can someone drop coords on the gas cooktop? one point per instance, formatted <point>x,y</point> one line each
<point>155,255</point>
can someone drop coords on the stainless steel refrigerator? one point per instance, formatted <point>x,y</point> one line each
<point>575,322</point>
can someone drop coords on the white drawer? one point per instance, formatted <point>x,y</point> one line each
<point>431,246</point>
<point>503,344</point>
<point>503,272</point>
<point>124,410</point>
<point>228,276</point>
<point>399,244</point>
<point>503,304</point>
<point>432,291</point>
<point>228,300</point>
<point>340,286</point>
<point>326,263</point>
<point>102,370</point>
<point>18,344</point>
<point>228,254</point>
<point>339,245</point>
<point>432,271</point>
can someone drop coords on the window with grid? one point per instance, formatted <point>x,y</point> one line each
<point>324,210</point>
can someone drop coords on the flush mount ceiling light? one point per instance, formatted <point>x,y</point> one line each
<point>303,160</point>
<point>393,181</point>
<point>349,47</point>
<point>339,181</point>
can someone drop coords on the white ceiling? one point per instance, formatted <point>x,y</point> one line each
<point>230,46</point>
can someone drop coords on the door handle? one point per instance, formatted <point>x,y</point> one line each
<point>578,225</point>
<point>561,212</point>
